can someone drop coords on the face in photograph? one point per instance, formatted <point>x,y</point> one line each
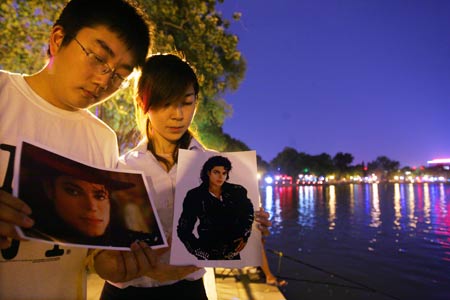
<point>217,176</point>
<point>83,205</point>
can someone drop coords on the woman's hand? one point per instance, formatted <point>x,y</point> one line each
<point>262,218</point>
<point>121,266</point>
<point>165,272</point>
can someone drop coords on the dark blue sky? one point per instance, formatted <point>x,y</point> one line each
<point>366,77</point>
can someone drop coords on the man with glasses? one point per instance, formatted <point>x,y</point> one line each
<point>94,46</point>
<point>100,66</point>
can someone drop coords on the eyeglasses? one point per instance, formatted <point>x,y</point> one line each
<point>100,66</point>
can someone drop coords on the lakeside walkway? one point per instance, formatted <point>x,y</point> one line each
<point>220,284</point>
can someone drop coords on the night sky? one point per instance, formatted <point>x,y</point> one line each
<point>369,78</point>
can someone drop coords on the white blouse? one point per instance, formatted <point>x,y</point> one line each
<point>161,186</point>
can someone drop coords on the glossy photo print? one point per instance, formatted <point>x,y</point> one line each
<point>215,201</point>
<point>80,205</point>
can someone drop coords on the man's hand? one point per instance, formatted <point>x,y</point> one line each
<point>121,266</point>
<point>262,218</point>
<point>13,212</point>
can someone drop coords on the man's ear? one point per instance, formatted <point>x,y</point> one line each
<point>56,39</point>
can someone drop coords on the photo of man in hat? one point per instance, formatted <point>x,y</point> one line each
<point>78,204</point>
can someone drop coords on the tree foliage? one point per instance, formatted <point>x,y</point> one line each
<point>342,161</point>
<point>291,162</point>
<point>24,32</point>
<point>383,163</point>
<point>192,27</point>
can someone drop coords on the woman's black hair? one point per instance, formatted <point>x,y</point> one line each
<point>164,80</point>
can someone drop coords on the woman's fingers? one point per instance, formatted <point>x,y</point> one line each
<point>262,218</point>
<point>138,261</point>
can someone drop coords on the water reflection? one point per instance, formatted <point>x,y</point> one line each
<point>397,206</point>
<point>401,210</point>
<point>332,206</point>
<point>426,206</point>
<point>395,237</point>
<point>306,208</point>
<point>411,203</point>
<point>375,208</point>
<point>352,198</point>
<point>269,198</point>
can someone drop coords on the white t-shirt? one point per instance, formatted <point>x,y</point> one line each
<point>161,186</point>
<point>37,270</point>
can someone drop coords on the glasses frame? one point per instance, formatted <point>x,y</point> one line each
<point>121,82</point>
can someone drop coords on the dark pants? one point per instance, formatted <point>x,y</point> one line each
<point>184,289</point>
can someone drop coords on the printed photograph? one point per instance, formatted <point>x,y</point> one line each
<point>215,200</point>
<point>80,205</point>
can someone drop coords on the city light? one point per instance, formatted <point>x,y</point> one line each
<point>439,161</point>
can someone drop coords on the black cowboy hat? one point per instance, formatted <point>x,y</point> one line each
<point>47,163</point>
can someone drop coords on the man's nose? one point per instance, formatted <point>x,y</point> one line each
<point>104,80</point>
<point>91,203</point>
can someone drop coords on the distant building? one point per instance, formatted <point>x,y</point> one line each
<point>440,162</point>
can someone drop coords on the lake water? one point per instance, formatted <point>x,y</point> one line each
<point>361,241</point>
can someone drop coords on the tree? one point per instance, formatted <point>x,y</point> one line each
<point>342,161</point>
<point>25,25</point>
<point>383,163</point>
<point>287,162</point>
<point>193,27</point>
<point>383,166</point>
<point>321,164</point>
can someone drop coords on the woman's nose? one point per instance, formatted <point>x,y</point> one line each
<point>177,110</point>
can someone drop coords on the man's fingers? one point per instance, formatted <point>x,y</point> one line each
<point>8,230</point>
<point>5,242</point>
<point>13,202</point>
<point>14,211</point>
